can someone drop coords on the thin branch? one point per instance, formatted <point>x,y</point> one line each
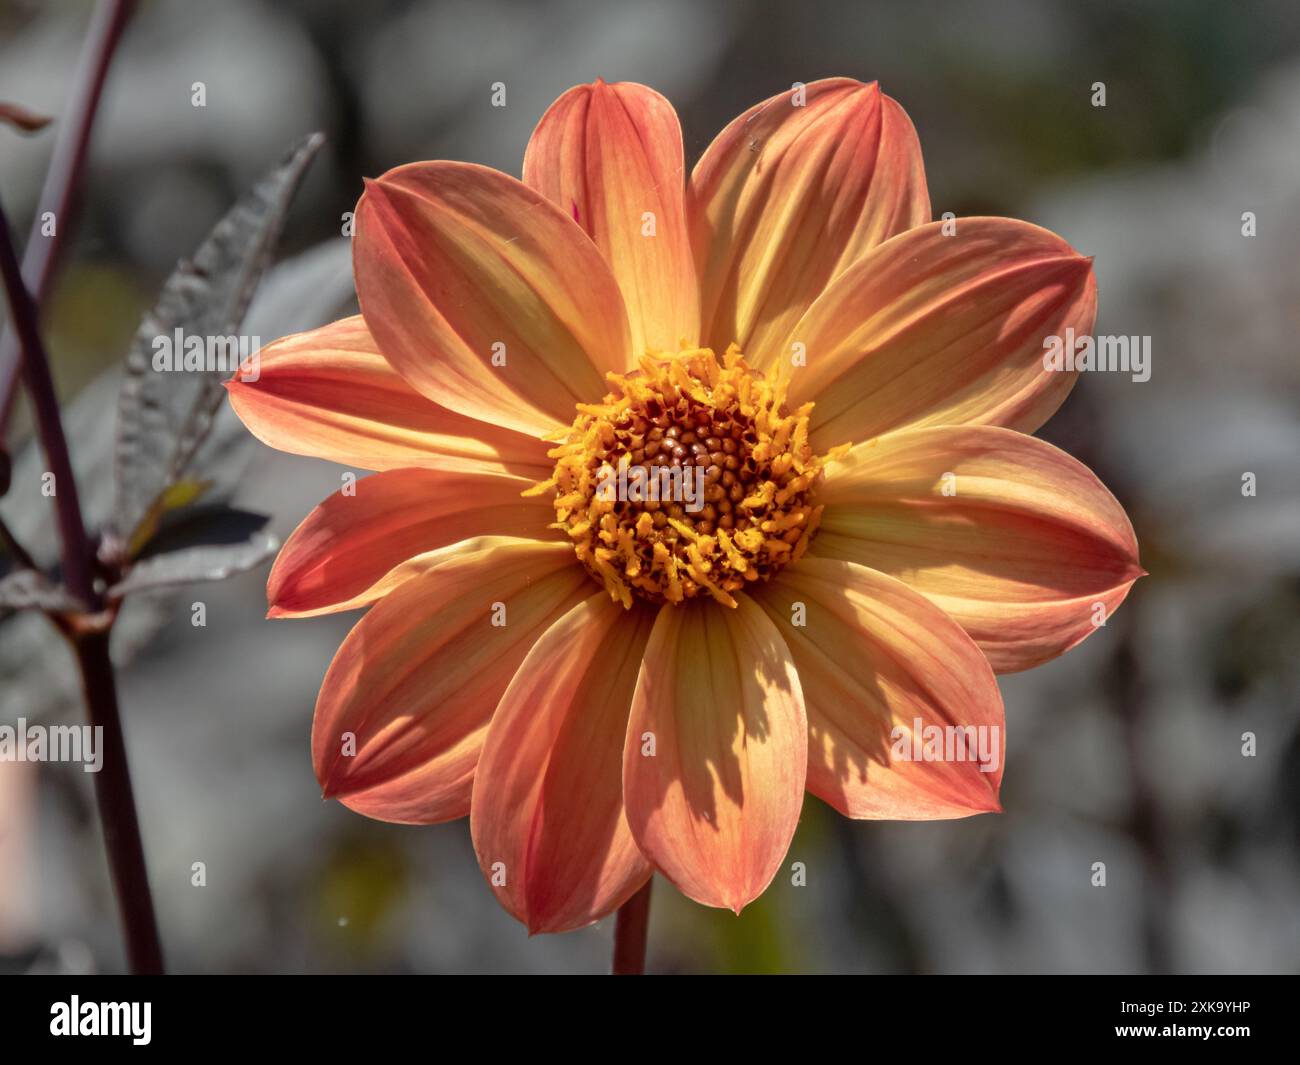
<point>116,802</point>
<point>90,644</point>
<point>630,931</point>
<point>49,427</point>
<point>63,178</point>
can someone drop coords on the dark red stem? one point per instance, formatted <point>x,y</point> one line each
<point>630,928</point>
<point>89,641</point>
<point>64,176</point>
<point>49,427</point>
<point>117,813</point>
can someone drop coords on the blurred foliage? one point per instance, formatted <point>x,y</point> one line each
<point>358,891</point>
<point>1256,648</point>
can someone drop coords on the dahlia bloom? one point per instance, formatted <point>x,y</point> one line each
<point>610,686</point>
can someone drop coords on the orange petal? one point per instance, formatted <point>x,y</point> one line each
<point>403,710</point>
<point>547,818</point>
<point>717,751</point>
<point>788,196</point>
<point>342,553</point>
<point>930,329</point>
<point>608,156</point>
<point>457,265</point>
<point>874,656</point>
<point>330,394</point>
<point>1008,535</point>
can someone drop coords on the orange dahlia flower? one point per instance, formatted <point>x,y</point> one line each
<point>610,685</point>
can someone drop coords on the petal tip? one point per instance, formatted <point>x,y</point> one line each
<point>379,190</point>
<point>335,788</point>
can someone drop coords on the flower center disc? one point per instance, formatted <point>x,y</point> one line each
<point>689,478</point>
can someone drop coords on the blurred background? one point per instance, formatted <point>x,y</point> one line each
<point>1127,751</point>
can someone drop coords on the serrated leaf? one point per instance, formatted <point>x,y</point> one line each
<point>25,589</point>
<point>302,292</point>
<point>163,415</point>
<point>212,562</point>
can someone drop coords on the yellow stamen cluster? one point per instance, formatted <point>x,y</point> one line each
<point>687,411</point>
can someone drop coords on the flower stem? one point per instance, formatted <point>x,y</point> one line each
<point>630,928</point>
<point>63,177</point>
<point>117,808</point>
<point>89,641</point>
<point>49,427</point>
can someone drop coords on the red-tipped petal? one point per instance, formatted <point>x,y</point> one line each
<point>329,393</point>
<point>717,751</point>
<point>1011,537</point>
<point>342,554</point>
<point>789,195</point>
<point>930,329</point>
<point>874,657</point>
<point>485,296</point>
<point>547,818</point>
<point>402,712</point>
<point>610,155</point>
